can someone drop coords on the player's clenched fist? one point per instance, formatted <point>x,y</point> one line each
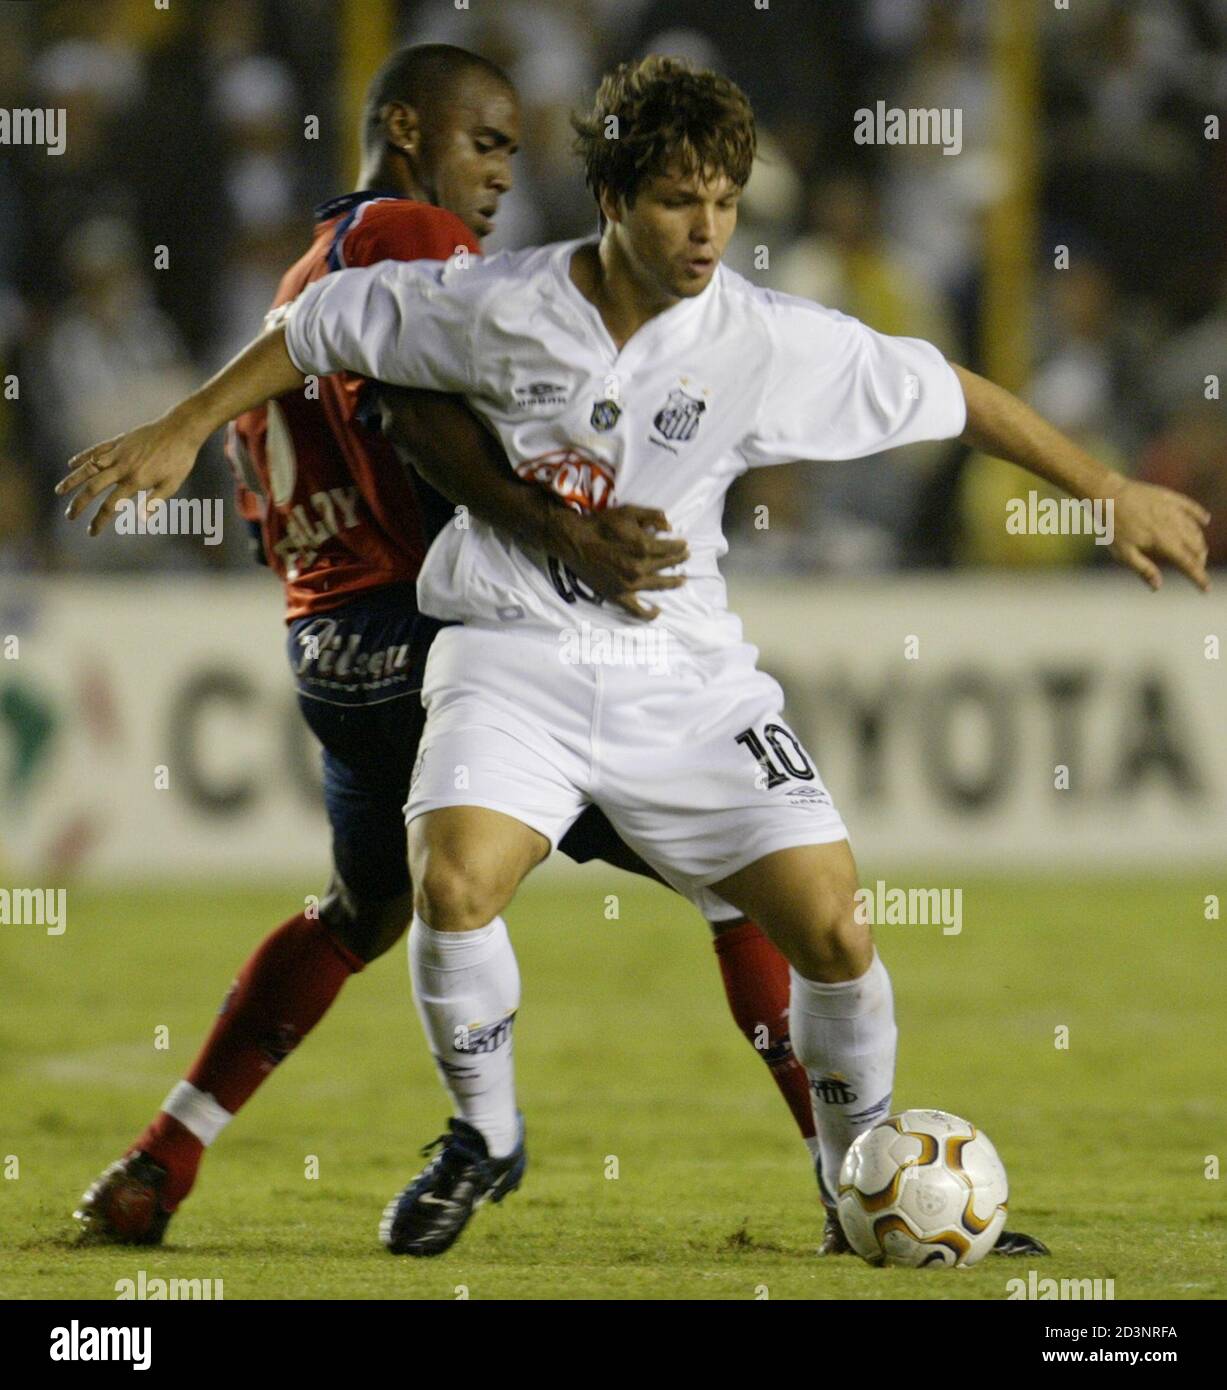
<point>153,459</point>
<point>1154,521</point>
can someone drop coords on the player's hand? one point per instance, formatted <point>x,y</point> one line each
<point>1156,522</point>
<point>153,459</point>
<point>622,551</point>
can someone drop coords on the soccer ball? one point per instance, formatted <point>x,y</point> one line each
<point>922,1188</point>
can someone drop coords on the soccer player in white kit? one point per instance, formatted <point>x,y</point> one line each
<point>635,368</point>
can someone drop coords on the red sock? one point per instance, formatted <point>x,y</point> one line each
<point>756,982</point>
<point>281,993</point>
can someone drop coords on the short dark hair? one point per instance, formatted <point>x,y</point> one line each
<point>419,75</point>
<point>665,114</point>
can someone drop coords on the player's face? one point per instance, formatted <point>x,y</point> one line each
<point>467,151</point>
<point>677,228</point>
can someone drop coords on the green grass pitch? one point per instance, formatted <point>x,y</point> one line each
<point>627,1057</point>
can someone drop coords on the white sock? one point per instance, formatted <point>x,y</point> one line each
<point>844,1036</point>
<point>197,1111</point>
<point>467,989</point>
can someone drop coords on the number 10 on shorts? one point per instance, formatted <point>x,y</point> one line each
<point>791,760</point>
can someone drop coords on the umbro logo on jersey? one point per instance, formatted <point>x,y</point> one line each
<point>678,418</point>
<point>541,393</point>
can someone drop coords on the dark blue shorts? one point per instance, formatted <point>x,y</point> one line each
<point>358,670</point>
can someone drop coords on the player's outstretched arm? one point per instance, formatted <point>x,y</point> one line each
<point>1148,521</point>
<point>618,553</point>
<point>386,321</point>
<point>157,457</point>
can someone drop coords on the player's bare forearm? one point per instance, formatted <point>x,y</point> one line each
<point>998,423</point>
<point>617,552</point>
<point>156,458</point>
<point>459,458</point>
<point>1148,521</point>
<point>260,372</point>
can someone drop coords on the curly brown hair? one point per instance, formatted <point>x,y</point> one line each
<point>661,114</point>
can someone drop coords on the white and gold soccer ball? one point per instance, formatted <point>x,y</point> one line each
<point>922,1188</point>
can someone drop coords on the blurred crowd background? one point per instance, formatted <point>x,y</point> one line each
<point>187,130</point>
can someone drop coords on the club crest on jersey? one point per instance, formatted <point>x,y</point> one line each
<point>605,415</point>
<point>678,418</point>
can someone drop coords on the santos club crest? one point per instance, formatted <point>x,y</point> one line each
<point>678,419</point>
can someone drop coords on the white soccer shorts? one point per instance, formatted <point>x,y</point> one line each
<point>689,757</point>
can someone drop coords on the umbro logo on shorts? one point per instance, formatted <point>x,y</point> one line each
<point>808,796</point>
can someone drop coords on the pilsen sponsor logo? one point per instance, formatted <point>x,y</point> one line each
<point>325,652</point>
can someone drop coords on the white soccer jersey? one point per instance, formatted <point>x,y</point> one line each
<point>737,377</point>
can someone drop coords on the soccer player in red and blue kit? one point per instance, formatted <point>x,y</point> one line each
<point>345,527</point>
